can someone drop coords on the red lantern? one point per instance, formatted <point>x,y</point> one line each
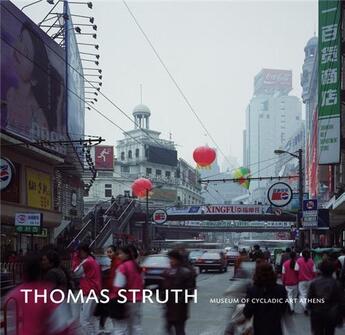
<point>204,156</point>
<point>141,186</point>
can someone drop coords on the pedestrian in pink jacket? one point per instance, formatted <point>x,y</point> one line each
<point>36,316</point>
<point>290,280</point>
<point>306,273</point>
<point>90,280</point>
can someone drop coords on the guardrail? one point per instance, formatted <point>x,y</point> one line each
<point>12,274</point>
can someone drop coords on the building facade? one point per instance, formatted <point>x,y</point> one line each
<point>142,153</point>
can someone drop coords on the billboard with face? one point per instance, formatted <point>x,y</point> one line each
<point>32,80</point>
<point>75,86</point>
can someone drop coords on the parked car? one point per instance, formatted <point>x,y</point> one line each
<point>212,260</point>
<point>231,256</point>
<point>153,267</point>
<point>194,255</point>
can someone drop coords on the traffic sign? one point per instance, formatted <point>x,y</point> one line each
<point>310,213</point>
<point>159,216</point>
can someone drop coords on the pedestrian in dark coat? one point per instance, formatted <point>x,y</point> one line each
<point>326,301</point>
<point>178,277</point>
<point>266,302</point>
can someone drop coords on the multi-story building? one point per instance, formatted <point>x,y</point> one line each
<point>272,116</point>
<point>142,153</point>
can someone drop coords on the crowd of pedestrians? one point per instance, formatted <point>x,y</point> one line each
<point>45,273</point>
<point>319,290</point>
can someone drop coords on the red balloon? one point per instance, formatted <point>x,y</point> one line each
<point>204,156</point>
<point>140,186</point>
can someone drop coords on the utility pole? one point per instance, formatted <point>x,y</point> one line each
<point>300,240</point>
<point>146,224</point>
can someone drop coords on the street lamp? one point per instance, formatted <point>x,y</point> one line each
<point>299,156</point>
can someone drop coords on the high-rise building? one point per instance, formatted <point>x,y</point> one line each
<point>272,117</point>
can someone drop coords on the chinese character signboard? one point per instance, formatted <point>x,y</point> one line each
<point>28,223</point>
<point>329,81</point>
<point>104,157</point>
<point>38,186</point>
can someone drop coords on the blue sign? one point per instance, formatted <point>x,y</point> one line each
<point>310,213</point>
<point>75,87</point>
<point>194,209</point>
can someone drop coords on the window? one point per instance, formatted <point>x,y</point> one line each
<point>130,154</point>
<point>108,190</point>
<point>167,174</point>
<point>122,156</point>
<point>158,172</point>
<point>137,153</point>
<point>267,116</point>
<point>127,193</point>
<point>297,118</point>
<point>125,169</point>
<point>148,171</point>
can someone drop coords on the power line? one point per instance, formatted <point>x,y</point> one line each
<point>174,81</point>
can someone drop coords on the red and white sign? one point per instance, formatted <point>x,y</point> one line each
<point>219,209</point>
<point>279,194</point>
<point>159,216</point>
<point>104,157</point>
<point>233,209</point>
<point>269,80</point>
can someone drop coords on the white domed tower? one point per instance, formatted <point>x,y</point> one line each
<point>142,115</point>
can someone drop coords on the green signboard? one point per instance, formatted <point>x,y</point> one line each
<point>28,229</point>
<point>329,66</point>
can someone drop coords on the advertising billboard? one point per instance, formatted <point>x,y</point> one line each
<point>75,105</point>
<point>104,157</point>
<point>38,188</point>
<point>9,180</point>
<point>269,81</point>
<point>162,156</point>
<point>329,68</point>
<point>32,80</point>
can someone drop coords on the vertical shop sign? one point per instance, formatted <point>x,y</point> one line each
<point>329,81</point>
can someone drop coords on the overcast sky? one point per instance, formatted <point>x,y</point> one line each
<point>213,50</point>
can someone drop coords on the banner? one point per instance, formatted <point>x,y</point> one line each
<point>220,209</point>
<point>38,188</point>
<point>32,81</point>
<point>75,86</point>
<point>104,157</point>
<point>329,81</point>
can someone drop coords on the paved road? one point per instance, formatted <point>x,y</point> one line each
<point>211,318</point>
